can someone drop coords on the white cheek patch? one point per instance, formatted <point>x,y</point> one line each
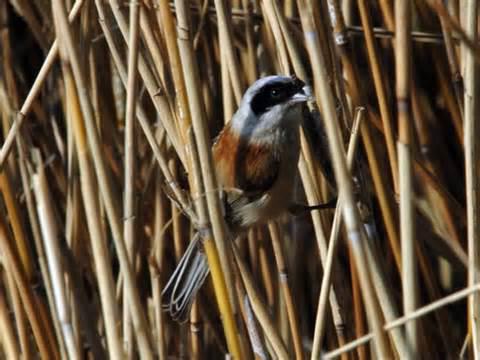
<point>262,128</point>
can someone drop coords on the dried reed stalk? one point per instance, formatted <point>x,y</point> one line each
<point>78,157</point>
<point>34,90</point>
<point>129,200</point>
<point>380,86</point>
<point>422,311</point>
<point>259,309</point>
<point>358,98</point>
<point>350,213</point>
<point>332,248</point>
<point>98,242</point>
<point>471,172</point>
<point>137,314</point>
<point>407,225</point>
<point>52,250</point>
<point>286,290</point>
<point>9,341</point>
<point>219,267</point>
<point>46,349</point>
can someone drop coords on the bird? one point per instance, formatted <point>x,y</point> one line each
<point>255,157</point>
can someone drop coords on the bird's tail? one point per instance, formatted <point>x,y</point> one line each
<point>186,280</point>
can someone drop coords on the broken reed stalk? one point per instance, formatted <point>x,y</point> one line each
<point>471,129</point>
<point>9,99</point>
<point>433,291</point>
<point>71,58</point>
<point>219,267</point>
<point>130,171</point>
<point>404,149</point>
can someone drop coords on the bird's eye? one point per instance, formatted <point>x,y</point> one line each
<point>275,93</point>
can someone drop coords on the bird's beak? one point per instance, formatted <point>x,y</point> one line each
<point>301,97</point>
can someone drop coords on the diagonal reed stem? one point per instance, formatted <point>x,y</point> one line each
<point>320,321</point>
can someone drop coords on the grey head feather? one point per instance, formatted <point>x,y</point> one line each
<point>269,104</point>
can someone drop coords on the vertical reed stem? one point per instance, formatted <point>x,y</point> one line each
<point>383,102</point>
<point>219,266</point>
<point>293,320</point>
<point>407,219</point>
<point>129,201</point>
<point>138,316</point>
<point>350,212</point>
<point>471,171</point>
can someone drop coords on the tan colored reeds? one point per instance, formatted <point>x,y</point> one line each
<point>82,275</point>
<point>471,170</point>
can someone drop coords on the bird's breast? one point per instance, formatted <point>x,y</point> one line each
<point>263,171</point>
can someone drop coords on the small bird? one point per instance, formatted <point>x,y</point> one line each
<point>255,157</point>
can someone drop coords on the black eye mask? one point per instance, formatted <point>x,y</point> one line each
<point>275,93</point>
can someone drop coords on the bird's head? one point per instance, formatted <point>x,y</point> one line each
<point>269,103</point>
